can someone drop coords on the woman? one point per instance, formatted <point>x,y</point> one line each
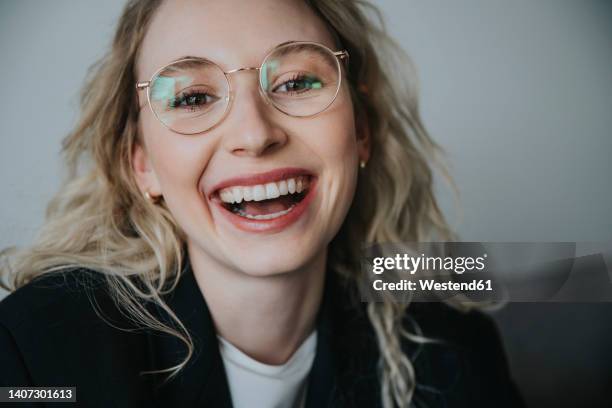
<point>231,160</point>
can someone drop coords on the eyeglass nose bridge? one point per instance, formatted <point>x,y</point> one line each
<point>230,95</point>
<point>231,71</point>
<point>231,92</point>
<point>229,82</point>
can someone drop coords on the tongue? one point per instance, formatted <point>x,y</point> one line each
<point>268,206</point>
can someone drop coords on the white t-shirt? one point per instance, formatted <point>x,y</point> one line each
<point>256,385</point>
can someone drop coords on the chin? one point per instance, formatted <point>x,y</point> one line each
<point>274,257</point>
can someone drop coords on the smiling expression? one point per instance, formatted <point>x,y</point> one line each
<point>262,192</point>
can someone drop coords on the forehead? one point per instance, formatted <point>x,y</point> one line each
<point>233,33</point>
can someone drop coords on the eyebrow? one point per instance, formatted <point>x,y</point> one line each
<point>187,57</point>
<point>204,58</point>
<point>192,57</point>
<point>298,47</point>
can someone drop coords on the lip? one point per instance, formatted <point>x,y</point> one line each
<point>260,178</point>
<point>265,226</point>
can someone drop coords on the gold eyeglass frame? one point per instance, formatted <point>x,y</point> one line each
<point>342,55</point>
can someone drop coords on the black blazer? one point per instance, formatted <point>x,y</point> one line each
<point>51,334</point>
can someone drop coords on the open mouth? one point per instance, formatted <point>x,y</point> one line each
<point>266,201</point>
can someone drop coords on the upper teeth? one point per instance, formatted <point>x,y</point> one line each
<point>266,191</point>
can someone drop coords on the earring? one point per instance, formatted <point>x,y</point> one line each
<point>362,164</point>
<point>151,199</point>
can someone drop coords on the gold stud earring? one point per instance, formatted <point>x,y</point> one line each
<point>362,164</point>
<point>151,199</point>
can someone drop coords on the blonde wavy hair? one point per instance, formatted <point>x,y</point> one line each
<point>100,220</point>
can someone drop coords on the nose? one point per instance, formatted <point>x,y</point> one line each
<point>250,130</point>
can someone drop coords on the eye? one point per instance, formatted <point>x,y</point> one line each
<point>192,100</point>
<point>299,84</point>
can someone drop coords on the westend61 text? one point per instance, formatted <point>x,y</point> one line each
<point>432,285</point>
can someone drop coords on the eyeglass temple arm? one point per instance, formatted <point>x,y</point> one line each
<point>342,54</point>
<point>139,87</point>
<point>142,85</point>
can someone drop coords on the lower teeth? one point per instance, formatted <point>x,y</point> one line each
<point>264,216</point>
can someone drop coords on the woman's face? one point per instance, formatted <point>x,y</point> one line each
<point>253,146</point>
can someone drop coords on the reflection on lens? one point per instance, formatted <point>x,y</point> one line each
<point>189,96</point>
<point>301,79</point>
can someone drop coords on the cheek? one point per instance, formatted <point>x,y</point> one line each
<point>179,162</point>
<point>176,159</point>
<point>332,136</point>
<point>335,144</point>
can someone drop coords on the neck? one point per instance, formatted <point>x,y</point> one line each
<point>266,317</point>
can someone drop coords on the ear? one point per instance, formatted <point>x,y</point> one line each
<point>143,172</point>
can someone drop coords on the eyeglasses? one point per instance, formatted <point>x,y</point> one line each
<point>193,95</point>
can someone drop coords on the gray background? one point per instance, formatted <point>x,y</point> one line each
<point>519,93</point>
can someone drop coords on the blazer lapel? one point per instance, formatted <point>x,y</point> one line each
<point>344,371</point>
<point>202,382</point>
<point>322,378</point>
